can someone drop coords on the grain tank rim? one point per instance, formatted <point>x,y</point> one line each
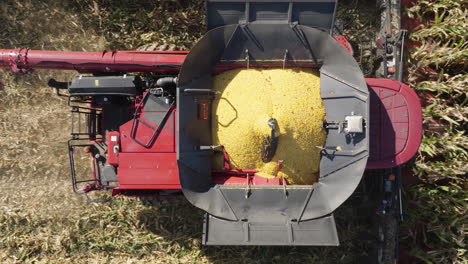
<point>266,44</point>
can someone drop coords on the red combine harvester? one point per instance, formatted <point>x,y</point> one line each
<point>144,117</point>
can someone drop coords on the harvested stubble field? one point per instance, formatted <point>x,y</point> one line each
<point>42,221</point>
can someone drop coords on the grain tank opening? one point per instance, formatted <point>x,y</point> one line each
<point>269,120</point>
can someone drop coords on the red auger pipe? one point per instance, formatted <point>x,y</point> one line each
<point>24,60</point>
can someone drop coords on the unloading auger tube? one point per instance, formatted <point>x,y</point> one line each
<point>285,214</point>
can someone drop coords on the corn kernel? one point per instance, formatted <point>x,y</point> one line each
<point>248,98</point>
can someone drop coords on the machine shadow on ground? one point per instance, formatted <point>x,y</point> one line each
<point>178,222</point>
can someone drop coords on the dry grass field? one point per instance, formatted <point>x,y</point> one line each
<point>42,221</point>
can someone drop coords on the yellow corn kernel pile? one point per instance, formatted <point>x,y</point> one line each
<point>248,98</point>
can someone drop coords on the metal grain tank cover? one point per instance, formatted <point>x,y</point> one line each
<point>315,13</point>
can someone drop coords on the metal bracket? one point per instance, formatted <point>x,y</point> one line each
<point>247,191</point>
<point>354,124</point>
<point>247,58</point>
<point>156,130</point>
<point>285,57</point>
<point>19,63</point>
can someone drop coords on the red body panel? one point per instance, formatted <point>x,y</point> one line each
<point>344,41</point>
<point>395,123</point>
<point>154,167</point>
<point>148,171</point>
<point>164,143</point>
<point>113,148</point>
<point>227,179</point>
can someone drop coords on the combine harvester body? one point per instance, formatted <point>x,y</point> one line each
<point>149,134</point>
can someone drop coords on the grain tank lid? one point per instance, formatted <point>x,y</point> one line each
<point>313,13</point>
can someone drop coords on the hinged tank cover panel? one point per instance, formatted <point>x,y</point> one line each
<point>312,13</point>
